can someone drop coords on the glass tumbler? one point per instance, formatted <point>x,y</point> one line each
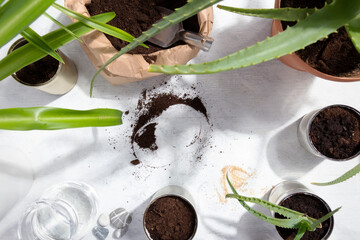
<point>64,212</point>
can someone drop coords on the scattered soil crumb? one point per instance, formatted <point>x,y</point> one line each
<point>135,162</point>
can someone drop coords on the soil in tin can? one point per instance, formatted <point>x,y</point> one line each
<point>335,55</point>
<point>137,16</point>
<point>38,72</point>
<point>312,207</point>
<point>335,132</point>
<point>170,218</point>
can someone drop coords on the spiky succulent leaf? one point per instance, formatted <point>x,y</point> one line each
<point>352,172</point>
<point>301,232</point>
<point>16,15</point>
<point>28,54</point>
<point>284,14</point>
<point>353,29</point>
<point>316,26</point>
<point>62,26</point>
<point>49,118</point>
<point>32,37</point>
<point>318,222</point>
<point>180,14</point>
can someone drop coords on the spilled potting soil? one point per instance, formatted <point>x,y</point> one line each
<point>152,105</point>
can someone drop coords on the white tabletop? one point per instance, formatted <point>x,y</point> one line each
<point>253,113</point>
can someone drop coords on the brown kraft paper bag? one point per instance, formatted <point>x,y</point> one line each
<point>133,67</point>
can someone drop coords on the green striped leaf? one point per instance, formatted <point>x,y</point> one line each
<point>62,26</point>
<point>32,37</point>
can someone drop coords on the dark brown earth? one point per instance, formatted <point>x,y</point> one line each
<point>335,55</point>
<point>155,106</point>
<point>335,132</point>
<point>38,72</point>
<point>170,218</point>
<point>136,16</point>
<point>312,207</point>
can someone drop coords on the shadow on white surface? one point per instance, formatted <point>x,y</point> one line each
<point>287,158</point>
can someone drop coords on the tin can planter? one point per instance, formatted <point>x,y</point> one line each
<point>171,215</point>
<point>294,61</point>
<point>294,195</point>
<point>47,74</point>
<point>332,132</point>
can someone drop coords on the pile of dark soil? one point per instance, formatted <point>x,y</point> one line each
<point>312,207</point>
<point>144,130</point>
<point>170,218</point>
<point>335,132</point>
<point>38,72</point>
<point>137,16</point>
<point>335,55</point>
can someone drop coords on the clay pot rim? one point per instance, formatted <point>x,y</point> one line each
<point>60,66</point>
<point>331,226</point>
<point>170,195</point>
<point>355,111</point>
<point>276,27</point>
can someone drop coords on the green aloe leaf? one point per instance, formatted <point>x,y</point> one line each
<point>353,29</point>
<point>307,31</point>
<point>62,26</point>
<point>180,14</point>
<point>318,222</point>
<point>343,177</point>
<point>49,118</point>
<point>301,232</point>
<point>32,37</point>
<point>16,15</point>
<point>108,29</point>
<point>284,14</point>
<point>28,54</point>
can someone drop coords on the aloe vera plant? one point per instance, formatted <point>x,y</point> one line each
<point>49,118</point>
<point>16,15</point>
<point>349,174</point>
<point>293,219</point>
<point>312,25</point>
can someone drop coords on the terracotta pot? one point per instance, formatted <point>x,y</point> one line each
<point>292,60</point>
<point>133,67</point>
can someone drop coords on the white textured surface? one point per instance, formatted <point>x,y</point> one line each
<point>254,112</point>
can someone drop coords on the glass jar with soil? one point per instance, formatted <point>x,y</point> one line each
<point>332,132</point>
<point>333,58</point>
<point>170,215</point>
<point>47,74</point>
<point>135,17</point>
<point>295,196</point>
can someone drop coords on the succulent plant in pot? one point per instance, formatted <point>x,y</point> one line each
<point>312,25</point>
<point>298,222</point>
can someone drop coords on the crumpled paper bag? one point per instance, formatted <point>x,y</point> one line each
<point>133,67</point>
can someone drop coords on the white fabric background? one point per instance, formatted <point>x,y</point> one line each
<point>254,112</point>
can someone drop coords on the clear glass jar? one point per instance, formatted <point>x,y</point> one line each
<point>64,212</point>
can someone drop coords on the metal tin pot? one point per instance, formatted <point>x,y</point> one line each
<point>286,189</point>
<point>62,82</point>
<point>304,132</point>
<point>174,191</point>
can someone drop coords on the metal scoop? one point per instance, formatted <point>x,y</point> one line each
<point>170,35</point>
